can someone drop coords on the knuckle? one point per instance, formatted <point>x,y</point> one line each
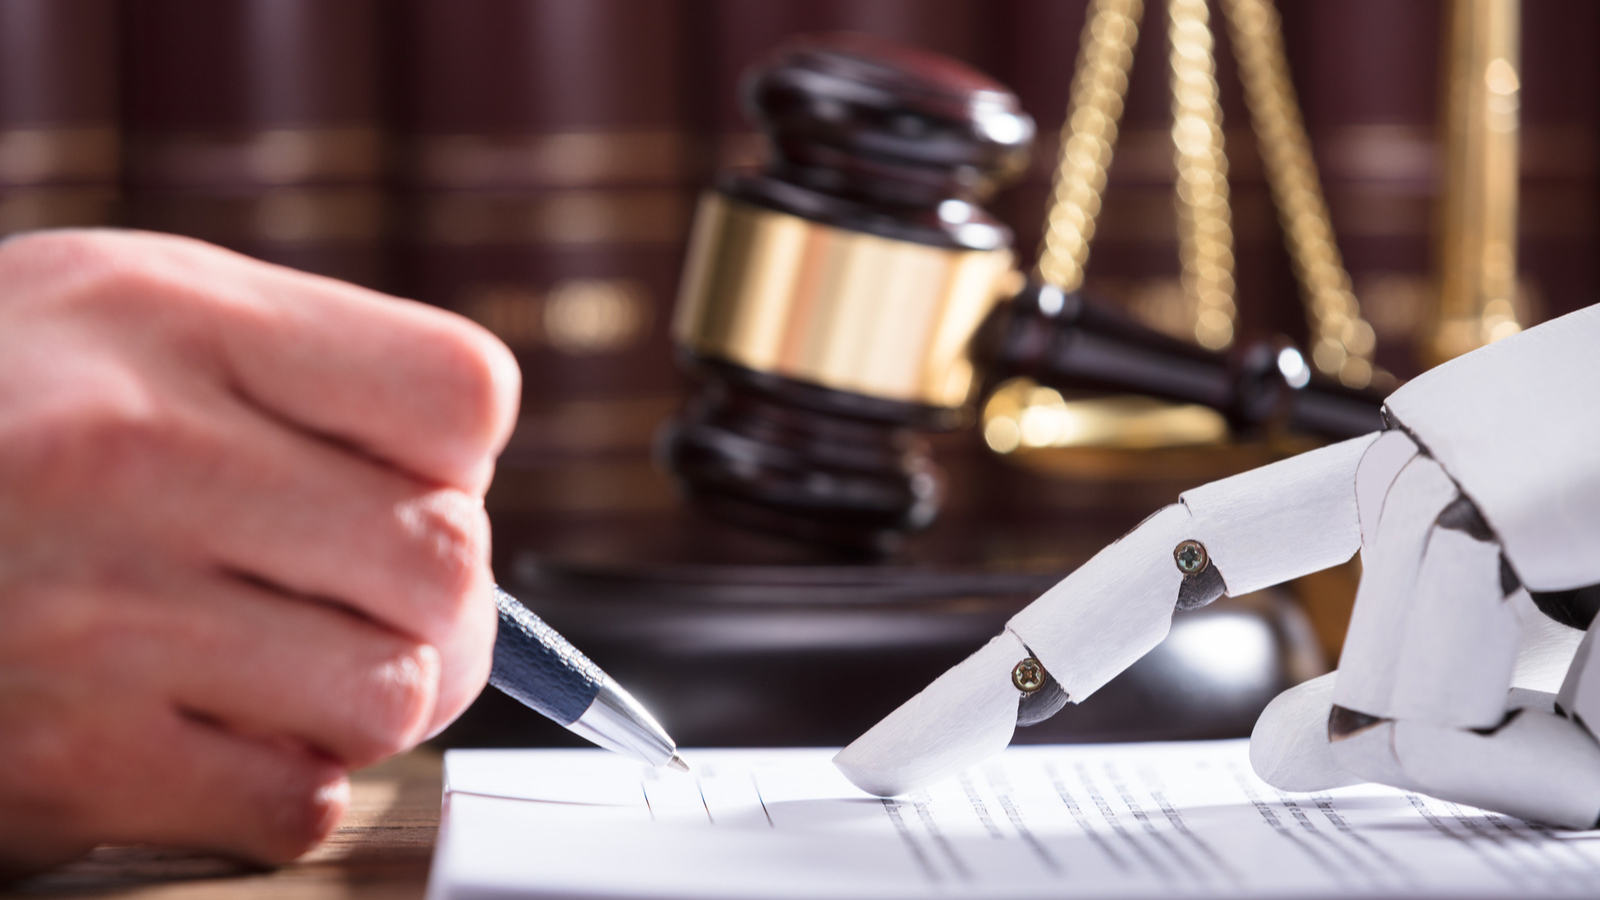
<point>44,761</point>
<point>104,438</point>
<point>395,704</point>
<point>155,283</point>
<point>446,534</point>
<point>118,444</point>
<point>39,252</point>
<point>76,268</point>
<point>468,666</point>
<point>466,661</point>
<point>483,385</point>
<point>301,810</point>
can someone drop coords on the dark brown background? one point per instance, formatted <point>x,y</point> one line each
<point>533,163</point>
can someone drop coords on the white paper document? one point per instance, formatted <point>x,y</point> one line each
<point>1117,820</point>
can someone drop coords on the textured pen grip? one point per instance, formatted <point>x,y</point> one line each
<point>538,667</point>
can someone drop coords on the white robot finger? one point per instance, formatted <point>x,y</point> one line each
<point>1289,746</point>
<point>1377,636</point>
<point>1110,612</point>
<point>1515,424</point>
<point>1536,766</point>
<point>1253,530</point>
<point>966,715</point>
<point>1265,526</point>
<point>1090,626</point>
<point>1364,747</point>
<point>1424,698</point>
<point>1282,521</point>
<point>1461,637</point>
<point>1375,477</point>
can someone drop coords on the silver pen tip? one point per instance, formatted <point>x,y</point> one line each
<point>677,762</point>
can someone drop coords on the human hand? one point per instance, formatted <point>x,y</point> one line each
<point>242,541</point>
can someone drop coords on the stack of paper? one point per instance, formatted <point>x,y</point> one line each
<point>1135,820</point>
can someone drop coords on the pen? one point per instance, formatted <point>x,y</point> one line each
<point>540,669</point>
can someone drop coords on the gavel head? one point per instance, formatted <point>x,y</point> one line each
<point>829,299</point>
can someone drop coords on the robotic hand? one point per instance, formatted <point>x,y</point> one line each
<point>1466,673</point>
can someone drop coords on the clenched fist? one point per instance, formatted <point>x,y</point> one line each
<point>242,541</point>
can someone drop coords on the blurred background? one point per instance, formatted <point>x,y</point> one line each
<point>533,164</point>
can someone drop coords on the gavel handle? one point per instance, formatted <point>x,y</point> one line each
<point>1068,343</point>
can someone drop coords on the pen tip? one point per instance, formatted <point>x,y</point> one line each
<point>677,762</point>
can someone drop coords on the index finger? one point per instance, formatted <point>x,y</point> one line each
<point>423,389</point>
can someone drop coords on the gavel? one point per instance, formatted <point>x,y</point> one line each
<point>854,293</point>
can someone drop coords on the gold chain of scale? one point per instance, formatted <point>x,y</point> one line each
<point>1342,342</point>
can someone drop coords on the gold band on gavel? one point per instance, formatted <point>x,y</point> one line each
<point>842,309</point>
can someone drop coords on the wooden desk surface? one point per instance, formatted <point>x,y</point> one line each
<point>382,850</point>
